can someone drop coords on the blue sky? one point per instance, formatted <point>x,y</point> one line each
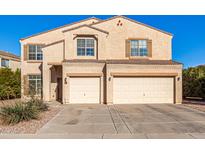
<point>188,41</point>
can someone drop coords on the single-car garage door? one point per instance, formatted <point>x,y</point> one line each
<point>143,90</point>
<point>84,90</point>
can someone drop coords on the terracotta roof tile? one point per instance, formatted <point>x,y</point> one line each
<point>134,61</point>
<point>4,53</point>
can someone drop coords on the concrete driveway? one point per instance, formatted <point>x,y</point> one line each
<point>126,121</point>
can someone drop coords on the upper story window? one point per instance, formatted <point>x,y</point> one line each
<point>138,48</point>
<point>86,47</point>
<point>35,52</point>
<point>4,62</point>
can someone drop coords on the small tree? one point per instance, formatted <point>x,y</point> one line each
<point>194,82</point>
<point>10,83</point>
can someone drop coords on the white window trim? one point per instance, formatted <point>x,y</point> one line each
<point>36,87</point>
<point>36,52</point>
<point>138,48</point>
<point>86,56</point>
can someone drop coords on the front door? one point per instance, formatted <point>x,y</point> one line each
<point>59,89</point>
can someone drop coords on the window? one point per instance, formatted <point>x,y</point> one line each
<point>35,84</point>
<point>85,47</point>
<point>138,47</point>
<point>35,52</point>
<point>4,62</point>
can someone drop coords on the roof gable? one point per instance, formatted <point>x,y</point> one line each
<point>131,20</point>
<point>22,39</point>
<point>7,54</point>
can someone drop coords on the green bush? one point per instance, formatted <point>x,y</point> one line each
<point>10,83</point>
<point>18,112</point>
<point>194,82</point>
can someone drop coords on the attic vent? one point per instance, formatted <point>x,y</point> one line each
<point>119,23</point>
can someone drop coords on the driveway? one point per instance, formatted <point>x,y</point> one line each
<point>126,121</point>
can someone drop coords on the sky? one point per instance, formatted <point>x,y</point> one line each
<point>188,44</point>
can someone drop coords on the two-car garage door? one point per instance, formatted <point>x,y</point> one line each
<point>139,90</point>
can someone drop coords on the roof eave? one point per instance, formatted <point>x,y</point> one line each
<point>22,39</point>
<point>103,31</point>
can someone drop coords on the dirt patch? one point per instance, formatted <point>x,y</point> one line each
<point>30,127</point>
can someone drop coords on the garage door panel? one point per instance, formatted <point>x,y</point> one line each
<point>137,90</point>
<point>84,90</point>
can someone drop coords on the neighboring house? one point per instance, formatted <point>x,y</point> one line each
<point>9,60</point>
<point>113,61</point>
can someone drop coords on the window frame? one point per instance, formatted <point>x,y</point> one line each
<point>139,53</point>
<point>37,79</point>
<point>36,53</point>
<point>3,60</point>
<point>86,47</point>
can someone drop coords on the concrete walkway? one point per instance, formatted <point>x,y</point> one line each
<point>123,121</point>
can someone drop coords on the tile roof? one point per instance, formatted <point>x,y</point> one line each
<point>5,53</point>
<point>132,61</point>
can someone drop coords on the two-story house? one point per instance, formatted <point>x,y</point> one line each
<point>113,61</point>
<point>9,60</point>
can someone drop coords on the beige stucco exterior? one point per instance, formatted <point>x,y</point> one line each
<point>14,62</point>
<point>60,58</point>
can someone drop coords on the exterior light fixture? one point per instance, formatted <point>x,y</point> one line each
<point>65,80</point>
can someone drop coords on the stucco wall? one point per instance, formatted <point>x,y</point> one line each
<point>14,65</point>
<point>115,42</point>
<point>51,72</point>
<point>71,43</point>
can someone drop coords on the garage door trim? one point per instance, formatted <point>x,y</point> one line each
<point>117,74</point>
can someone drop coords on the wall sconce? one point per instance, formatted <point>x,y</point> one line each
<point>65,80</point>
<point>178,78</point>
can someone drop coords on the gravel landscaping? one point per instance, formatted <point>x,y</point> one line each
<point>29,127</point>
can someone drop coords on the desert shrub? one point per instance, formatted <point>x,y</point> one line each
<point>22,111</point>
<point>38,104</point>
<point>10,83</point>
<point>12,114</point>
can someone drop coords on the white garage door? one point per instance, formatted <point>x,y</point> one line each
<point>143,90</point>
<point>84,90</point>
